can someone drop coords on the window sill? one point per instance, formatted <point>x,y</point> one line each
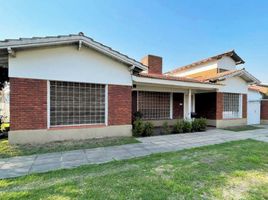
<point>77,127</point>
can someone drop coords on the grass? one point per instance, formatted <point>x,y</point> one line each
<point>8,150</point>
<point>235,170</point>
<point>242,128</point>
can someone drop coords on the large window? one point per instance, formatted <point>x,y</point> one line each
<point>232,106</point>
<point>154,105</point>
<point>76,103</point>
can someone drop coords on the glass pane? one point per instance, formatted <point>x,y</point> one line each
<point>76,103</point>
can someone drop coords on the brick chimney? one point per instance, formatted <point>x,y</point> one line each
<point>154,64</point>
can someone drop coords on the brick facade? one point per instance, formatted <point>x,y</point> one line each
<point>154,64</point>
<point>178,105</point>
<point>28,104</point>
<point>119,105</point>
<point>245,106</point>
<point>264,110</point>
<point>219,105</point>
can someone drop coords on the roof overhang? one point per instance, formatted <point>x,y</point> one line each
<point>249,78</point>
<point>13,45</point>
<point>175,83</point>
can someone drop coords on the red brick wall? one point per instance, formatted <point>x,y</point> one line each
<point>264,110</point>
<point>154,64</point>
<point>219,105</point>
<point>177,108</point>
<point>119,105</point>
<point>28,104</point>
<point>245,105</point>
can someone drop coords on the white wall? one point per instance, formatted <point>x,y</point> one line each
<point>254,95</point>
<point>197,69</point>
<point>68,64</point>
<point>226,63</point>
<point>234,85</point>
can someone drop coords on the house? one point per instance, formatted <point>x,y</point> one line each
<point>72,87</point>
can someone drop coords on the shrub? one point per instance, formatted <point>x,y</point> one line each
<point>137,115</point>
<point>178,127</point>
<point>187,126</point>
<point>195,125</point>
<point>138,128</point>
<point>165,128</point>
<point>148,129</point>
<point>202,124</point>
<point>199,124</point>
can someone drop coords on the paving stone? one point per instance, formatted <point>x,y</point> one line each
<point>75,163</point>
<point>19,166</point>
<point>14,165</point>
<point>45,167</point>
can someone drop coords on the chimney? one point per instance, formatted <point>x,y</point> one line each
<point>154,64</point>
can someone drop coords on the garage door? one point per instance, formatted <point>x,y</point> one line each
<point>254,112</point>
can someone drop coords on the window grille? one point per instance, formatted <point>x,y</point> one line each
<point>154,105</point>
<point>231,106</point>
<point>76,103</point>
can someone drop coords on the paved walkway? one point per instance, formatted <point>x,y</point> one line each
<point>23,165</point>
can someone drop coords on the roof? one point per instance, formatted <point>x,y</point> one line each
<point>172,78</point>
<point>79,39</point>
<point>231,54</point>
<point>259,88</point>
<point>228,74</point>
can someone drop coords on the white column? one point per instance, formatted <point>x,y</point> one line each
<point>189,104</point>
<point>106,105</point>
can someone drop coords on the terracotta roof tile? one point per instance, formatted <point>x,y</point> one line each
<point>173,78</point>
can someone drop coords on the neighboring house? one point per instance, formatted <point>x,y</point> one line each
<point>72,87</point>
<point>4,102</point>
<point>259,97</point>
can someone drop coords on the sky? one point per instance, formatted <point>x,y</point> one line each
<point>181,32</point>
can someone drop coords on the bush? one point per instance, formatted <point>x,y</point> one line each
<point>178,127</point>
<point>195,125</point>
<point>138,128</point>
<point>137,115</point>
<point>187,126</point>
<point>199,124</point>
<point>165,128</point>
<point>202,124</point>
<point>148,129</point>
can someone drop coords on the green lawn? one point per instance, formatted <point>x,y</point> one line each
<point>235,170</point>
<point>7,150</point>
<point>242,128</point>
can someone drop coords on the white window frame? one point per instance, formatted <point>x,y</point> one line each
<point>240,109</point>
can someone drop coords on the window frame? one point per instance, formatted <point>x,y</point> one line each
<point>76,125</point>
<point>239,115</point>
<point>170,104</point>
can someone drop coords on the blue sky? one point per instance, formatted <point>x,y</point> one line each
<point>180,31</point>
